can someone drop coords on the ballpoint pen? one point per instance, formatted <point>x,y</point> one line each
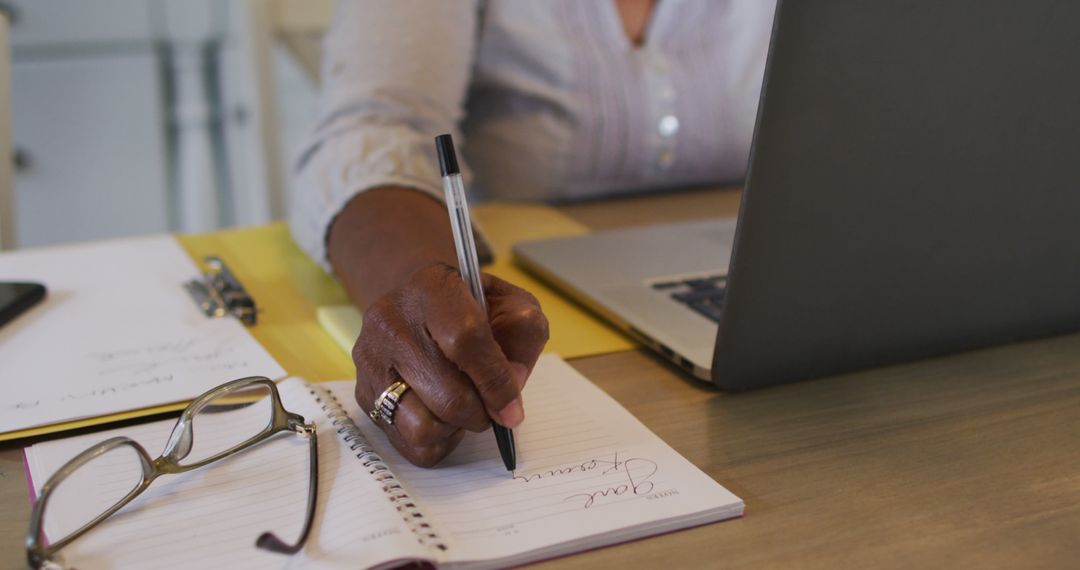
<point>467,262</point>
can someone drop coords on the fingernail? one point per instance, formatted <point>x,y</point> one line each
<point>513,414</point>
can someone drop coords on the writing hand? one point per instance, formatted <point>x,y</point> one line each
<point>464,368</point>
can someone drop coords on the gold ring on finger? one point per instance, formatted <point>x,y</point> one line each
<point>387,403</point>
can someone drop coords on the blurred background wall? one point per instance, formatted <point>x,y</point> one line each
<point>144,116</point>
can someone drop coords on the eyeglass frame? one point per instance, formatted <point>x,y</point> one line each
<point>176,449</point>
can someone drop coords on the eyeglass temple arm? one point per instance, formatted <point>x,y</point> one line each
<point>270,541</point>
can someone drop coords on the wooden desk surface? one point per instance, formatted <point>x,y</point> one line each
<point>971,460</point>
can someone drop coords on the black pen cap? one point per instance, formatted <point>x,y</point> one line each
<point>444,144</point>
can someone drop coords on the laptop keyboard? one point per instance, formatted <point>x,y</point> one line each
<point>702,294</point>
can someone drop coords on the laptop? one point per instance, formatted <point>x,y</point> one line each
<point>913,190</point>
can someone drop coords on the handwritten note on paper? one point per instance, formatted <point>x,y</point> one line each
<point>117,332</point>
<point>585,466</point>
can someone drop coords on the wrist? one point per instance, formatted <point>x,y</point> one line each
<point>383,236</point>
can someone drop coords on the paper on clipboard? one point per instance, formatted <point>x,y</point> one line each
<point>116,333</point>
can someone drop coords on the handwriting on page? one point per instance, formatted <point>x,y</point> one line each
<point>101,391</point>
<point>114,372</point>
<point>630,476</point>
<point>569,468</point>
<point>192,351</point>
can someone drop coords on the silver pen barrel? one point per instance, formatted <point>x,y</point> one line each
<point>465,242</point>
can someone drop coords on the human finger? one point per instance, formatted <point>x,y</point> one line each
<point>517,322</point>
<point>460,329</point>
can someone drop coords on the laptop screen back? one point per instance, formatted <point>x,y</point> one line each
<point>914,187</point>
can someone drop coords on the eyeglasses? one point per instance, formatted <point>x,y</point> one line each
<point>222,422</point>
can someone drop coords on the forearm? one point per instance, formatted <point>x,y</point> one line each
<point>384,235</point>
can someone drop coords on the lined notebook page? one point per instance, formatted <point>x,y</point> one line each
<point>588,474</point>
<point>210,518</point>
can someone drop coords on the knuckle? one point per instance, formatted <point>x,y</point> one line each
<point>534,322</point>
<point>420,456</point>
<point>416,425</point>
<point>377,320</point>
<point>428,456</point>
<point>427,439</point>
<point>387,326</point>
<point>367,372</point>
<point>366,357</point>
<point>463,409</point>
<point>361,351</point>
<point>360,393</point>
<point>424,454</point>
<point>408,428</point>
<point>493,385</point>
<point>464,339</point>
<point>421,436</point>
<point>529,297</point>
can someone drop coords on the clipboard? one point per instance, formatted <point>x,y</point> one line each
<point>118,338</point>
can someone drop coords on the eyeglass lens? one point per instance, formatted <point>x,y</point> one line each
<point>229,421</point>
<point>91,490</point>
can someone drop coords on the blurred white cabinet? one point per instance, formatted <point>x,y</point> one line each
<point>139,116</point>
<point>89,135</point>
<point>89,121</point>
<point>53,23</point>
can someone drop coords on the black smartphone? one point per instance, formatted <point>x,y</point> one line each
<point>18,297</point>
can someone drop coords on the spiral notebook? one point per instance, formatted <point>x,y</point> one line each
<point>589,475</point>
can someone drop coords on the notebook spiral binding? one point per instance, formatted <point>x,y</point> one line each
<point>374,465</point>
